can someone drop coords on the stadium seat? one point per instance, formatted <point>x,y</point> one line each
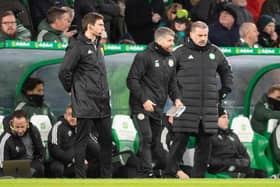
<point>1,124</point>
<point>124,134</point>
<point>271,125</point>
<point>254,143</point>
<point>43,123</point>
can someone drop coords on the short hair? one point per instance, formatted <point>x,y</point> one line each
<point>273,88</point>
<point>69,10</point>
<point>162,32</point>
<point>244,28</point>
<point>198,24</point>
<point>30,84</point>
<point>19,114</point>
<point>55,13</point>
<point>6,13</point>
<point>90,18</point>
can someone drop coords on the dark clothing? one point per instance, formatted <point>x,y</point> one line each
<point>151,149</point>
<point>32,108</point>
<point>13,148</point>
<point>138,17</point>
<point>262,113</point>
<point>61,142</point>
<point>39,9</point>
<point>83,73</point>
<point>196,75</point>
<point>221,36</point>
<point>265,40</point>
<point>108,8</point>
<point>152,76</point>
<point>104,130</point>
<point>228,155</point>
<point>201,157</point>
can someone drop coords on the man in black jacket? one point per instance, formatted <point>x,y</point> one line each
<point>83,75</point>
<point>150,80</point>
<point>198,62</point>
<point>22,141</point>
<point>61,143</point>
<point>228,154</point>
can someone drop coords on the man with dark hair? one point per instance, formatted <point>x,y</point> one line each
<point>151,80</point>
<point>52,28</point>
<point>83,76</point>
<point>31,99</point>
<point>22,141</point>
<point>198,62</point>
<point>10,30</point>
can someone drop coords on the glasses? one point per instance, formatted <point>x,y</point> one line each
<point>9,23</point>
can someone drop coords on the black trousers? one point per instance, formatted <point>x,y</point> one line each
<point>58,170</point>
<point>201,156</point>
<point>103,126</point>
<point>37,169</point>
<point>151,148</point>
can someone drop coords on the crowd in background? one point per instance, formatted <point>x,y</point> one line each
<point>134,21</point>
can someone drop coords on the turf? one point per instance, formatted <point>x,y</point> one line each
<point>139,183</point>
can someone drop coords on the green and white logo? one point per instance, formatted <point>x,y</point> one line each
<point>212,56</point>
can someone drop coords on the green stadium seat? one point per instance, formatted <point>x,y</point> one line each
<point>124,134</point>
<point>1,124</point>
<point>254,143</point>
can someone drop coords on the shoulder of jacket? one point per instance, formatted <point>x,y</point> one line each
<point>20,106</point>
<point>178,47</point>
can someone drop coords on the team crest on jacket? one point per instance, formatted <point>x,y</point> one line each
<point>212,56</point>
<point>156,63</point>
<point>17,149</point>
<point>69,133</point>
<point>140,116</point>
<point>171,62</point>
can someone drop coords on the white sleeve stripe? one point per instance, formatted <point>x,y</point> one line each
<point>2,146</point>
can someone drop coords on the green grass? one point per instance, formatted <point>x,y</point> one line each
<point>139,183</point>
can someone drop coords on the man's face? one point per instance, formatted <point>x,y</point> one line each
<point>69,117</point>
<point>64,22</point>
<point>166,42</point>
<point>226,19</point>
<point>199,36</point>
<point>253,33</point>
<point>19,125</point>
<point>275,95</point>
<point>97,28</point>
<point>269,28</point>
<point>9,25</point>
<point>38,90</point>
<point>223,121</point>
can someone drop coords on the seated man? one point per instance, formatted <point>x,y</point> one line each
<point>32,99</point>
<point>53,27</point>
<point>228,153</point>
<point>22,141</point>
<point>61,147</point>
<point>268,107</point>
<point>10,30</point>
<point>248,35</point>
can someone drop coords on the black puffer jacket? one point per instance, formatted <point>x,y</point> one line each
<point>83,74</point>
<point>228,153</point>
<point>152,76</point>
<point>196,75</point>
<point>12,147</point>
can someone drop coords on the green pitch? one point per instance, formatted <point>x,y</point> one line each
<point>139,183</point>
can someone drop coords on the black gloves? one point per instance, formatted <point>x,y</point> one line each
<point>223,93</point>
